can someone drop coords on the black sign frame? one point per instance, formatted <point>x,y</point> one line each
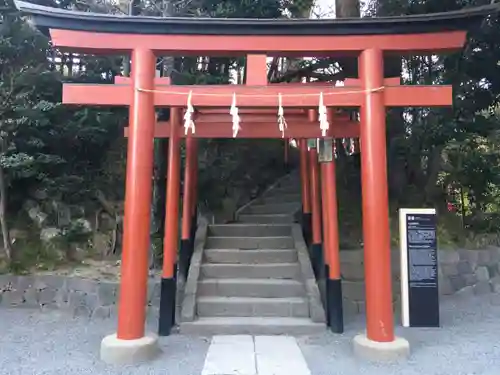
<point>419,273</point>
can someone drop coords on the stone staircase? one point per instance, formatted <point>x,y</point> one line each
<point>254,274</point>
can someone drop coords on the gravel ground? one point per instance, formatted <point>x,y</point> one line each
<point>468,343</point>
<point>50,343</point>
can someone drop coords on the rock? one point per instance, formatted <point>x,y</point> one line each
<point>466,292</point>
<point>49,234</point>
<point>106,293</point>
<point>18,234</point>
<point>470,279</point>
<point>63,213</point>
<point>39,194</point>
<point>449,269</point>
<point>81,285</point>
<point>47,297</point>
<point>457,282</point>
<point>464,267</point>
<point>31,298</point>
<point>482,273</point>
<point>495,284</point>
<point>82,310</point>
<point>445,287</point>
<point>468,256</point>
<point>483,257</point>
<point>35,213</point>
<point>102,243</point>
<point>84,225</point>
<point>448,257</point>
<point>101,312</point>
<point>13,298</point>
<point>482,287</point>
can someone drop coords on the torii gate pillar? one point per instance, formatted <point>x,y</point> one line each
<point>379,340</point>
<point>131,343</point>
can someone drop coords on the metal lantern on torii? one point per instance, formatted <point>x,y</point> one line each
<point>256,110</point>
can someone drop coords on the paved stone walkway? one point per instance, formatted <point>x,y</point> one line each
<point>50,343</point>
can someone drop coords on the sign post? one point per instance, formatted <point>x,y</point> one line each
<point>419,268</point>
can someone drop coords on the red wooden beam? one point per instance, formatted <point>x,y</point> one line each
<point>271,45</point>
<point>345,129</point>
<point>121,80</point>
<point>259,96</point>
<point>353,82</point>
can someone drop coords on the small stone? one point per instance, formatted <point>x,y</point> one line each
<point>482,287</point>
<point>482,273</point>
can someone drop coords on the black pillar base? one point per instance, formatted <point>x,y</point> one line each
<point>184,257</point>
<point>334,314</point>
<point>167,306</point>
<point>317,259</point>
<point>307,227</point>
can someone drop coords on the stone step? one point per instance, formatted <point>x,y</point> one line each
<point>252,326</point>
<point>237,256</point>
<point>252,230</point>
<point>286,188</point>
<point>278,242</point>
<point>245,306</point>
<point>279,198</point>
<point>251,271</point>
<point>266,219</point>
<point>264,288</point>
<point>273,208</point>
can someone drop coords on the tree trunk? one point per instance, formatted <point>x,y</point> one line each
<point>347,9</point>
<point>3,216</point>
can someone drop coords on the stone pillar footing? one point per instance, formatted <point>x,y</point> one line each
<point>124,352</point>
<point>380,351</point>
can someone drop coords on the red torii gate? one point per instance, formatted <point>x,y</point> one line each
<point>369,39</point>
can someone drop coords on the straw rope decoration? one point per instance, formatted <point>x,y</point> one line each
<point>236,117</point>
<point>322,116</point>
<point>282,125</point>
<point>324,125</point>
<point>188,116</point>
